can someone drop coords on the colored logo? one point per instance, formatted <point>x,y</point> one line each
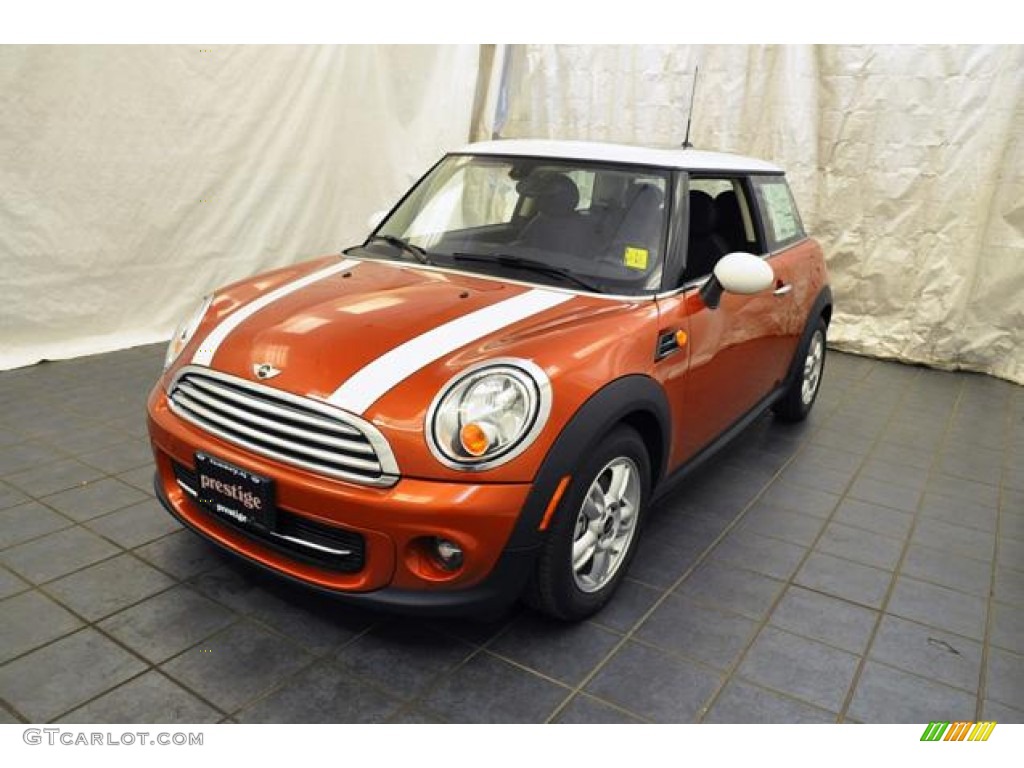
<point>265,371</point>
<point>958,731</point>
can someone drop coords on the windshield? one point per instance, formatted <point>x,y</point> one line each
<point>580,225</point>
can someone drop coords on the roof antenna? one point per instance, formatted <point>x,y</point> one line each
<point>689,117</point>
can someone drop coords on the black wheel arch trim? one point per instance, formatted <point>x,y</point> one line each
<point>821,303</point>
<point>635,397</point>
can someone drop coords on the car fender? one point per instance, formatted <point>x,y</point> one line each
<point>636,398</point>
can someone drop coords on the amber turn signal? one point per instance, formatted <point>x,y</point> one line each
<point>681,338</point>
<point>474,439</point>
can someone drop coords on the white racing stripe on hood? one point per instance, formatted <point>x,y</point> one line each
<point>379,377</point>
<point>208,348</point>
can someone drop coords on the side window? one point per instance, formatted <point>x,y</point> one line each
<point>781,218</point>
<point>721,222</point>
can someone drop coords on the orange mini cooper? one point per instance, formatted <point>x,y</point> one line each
<point>481,400</point>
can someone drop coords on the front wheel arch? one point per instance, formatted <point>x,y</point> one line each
<point>606,530</point>
<point>636,400</point>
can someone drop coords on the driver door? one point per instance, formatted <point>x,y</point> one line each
<point>735,355</point>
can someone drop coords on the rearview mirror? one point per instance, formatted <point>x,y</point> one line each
<point>738,272</point>
<point>375,219</point>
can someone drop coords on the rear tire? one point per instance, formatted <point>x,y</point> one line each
<point>802,391</point>
<point>595,529</point>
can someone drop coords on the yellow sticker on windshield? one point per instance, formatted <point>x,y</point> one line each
<point>635,258</point>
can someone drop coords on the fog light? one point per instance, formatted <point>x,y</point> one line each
<point>449,554</point>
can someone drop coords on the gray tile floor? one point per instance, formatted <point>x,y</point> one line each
<point>865,566</point>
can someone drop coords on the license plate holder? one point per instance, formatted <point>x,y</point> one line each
<point>234,494</point>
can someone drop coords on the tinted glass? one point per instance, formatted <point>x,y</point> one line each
<point>579,225</point>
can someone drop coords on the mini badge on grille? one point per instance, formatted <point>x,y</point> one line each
<point>264,370</point>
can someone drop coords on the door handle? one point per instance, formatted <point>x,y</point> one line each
<point>783,289</point>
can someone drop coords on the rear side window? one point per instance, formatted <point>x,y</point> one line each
<point>781,218</point>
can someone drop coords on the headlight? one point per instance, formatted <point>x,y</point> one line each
<point>488,414</point>
<point>184,332</point>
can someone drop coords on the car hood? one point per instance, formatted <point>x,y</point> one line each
<point>349,331</point>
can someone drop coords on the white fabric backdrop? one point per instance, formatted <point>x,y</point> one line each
<point>135,178</point>
<point>907,162</point>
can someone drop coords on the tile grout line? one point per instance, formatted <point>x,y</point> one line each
<point>732,672</point>
<point>240,617</point>
<point>326,657</point>
<point>898,567</point>
<point>156,666</point>
<point>719,608</point>
<point>990,602</point>
<point>845,558</point>
<point>103,473</point>
<point>147,664</point>
<point>418,700</point>
<point>44,590</point>
<point>788,583</point>
<point>94,624</point>
<point>80,523</point>
<point>48,441</point>
<point>122,550</point>
<point>479,648</point>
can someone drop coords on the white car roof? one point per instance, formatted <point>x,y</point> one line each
<point>662,157</point>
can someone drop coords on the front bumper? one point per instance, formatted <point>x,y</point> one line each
<point>393,522</point>
<point>502,586</point>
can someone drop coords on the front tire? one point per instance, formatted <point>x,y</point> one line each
<point>802,391</point>
<point>594,532</point>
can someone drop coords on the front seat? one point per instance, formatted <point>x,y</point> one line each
<point>729,221</point>
<point>706,246</point>
<point>556,226</point>
<point>641,220</point>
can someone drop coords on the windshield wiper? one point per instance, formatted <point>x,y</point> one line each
<point>518,262</point>
<point>418,253</point>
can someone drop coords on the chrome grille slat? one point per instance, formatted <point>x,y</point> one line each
<point>184,401</point>
<point>215,403</point>
<point>281,411</point>
<point>307,433</point>
<point>312,545</point>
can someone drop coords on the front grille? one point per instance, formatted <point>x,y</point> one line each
<point>325,546</point>
<point>292,429</point>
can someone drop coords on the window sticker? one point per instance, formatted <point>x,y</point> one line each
<point>635,258</point>
<point>780,211</point>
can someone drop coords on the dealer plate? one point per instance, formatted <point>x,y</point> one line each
<point>236,495</point>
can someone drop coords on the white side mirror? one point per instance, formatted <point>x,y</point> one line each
<point>375,219</point>
<point>744,273</point>
<point>739,272</point>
